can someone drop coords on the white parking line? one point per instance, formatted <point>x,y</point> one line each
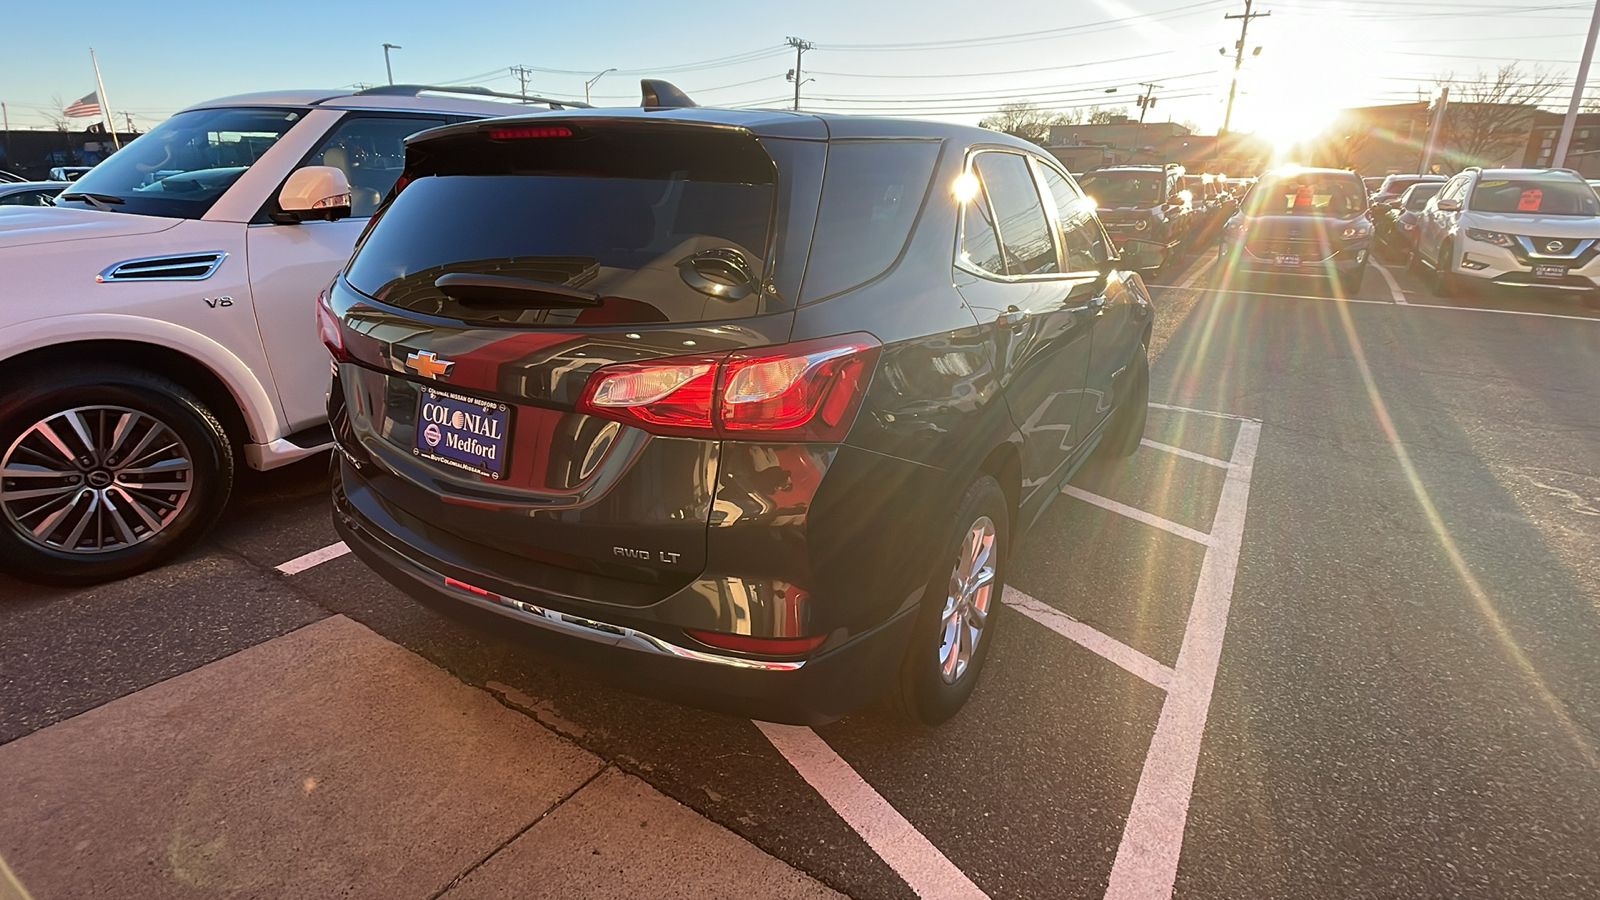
<point>1475,309</point>
<point>1205,412</point>
<point>913,857</point>
<point>1394,286</point>
<point>1328,299</point>
<point>1186,454</point>
<point>1090,639</point>
<point>314,558</point>
<point>1138,515</point>
<point>1147,859</point>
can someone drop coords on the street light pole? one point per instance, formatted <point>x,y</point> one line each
<point>1560,157</point>
<point>590,83</point>
<point>386,67</point>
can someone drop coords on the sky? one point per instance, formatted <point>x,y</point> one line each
<point>928,59</point>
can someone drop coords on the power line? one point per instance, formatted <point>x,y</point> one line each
<point>1122,22</point>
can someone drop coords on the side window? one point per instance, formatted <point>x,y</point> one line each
<point>980,246</point>
<point>371,151</point>
<point>1024,231</point>
<point>1454,189</point>
<point>871,193</point>
<point>26,198</point>
<point>1081,240</point>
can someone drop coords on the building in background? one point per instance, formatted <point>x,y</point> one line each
<point>1124,142</point>
<point>1583,153</point>
<point>33,154</point>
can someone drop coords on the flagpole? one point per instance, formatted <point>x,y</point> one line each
<point>105,104</point>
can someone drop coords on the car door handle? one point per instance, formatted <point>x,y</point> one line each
<point>1098,304</point>
<point>1012,317</point>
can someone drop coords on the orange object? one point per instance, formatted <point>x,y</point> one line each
<point>1530,200</point>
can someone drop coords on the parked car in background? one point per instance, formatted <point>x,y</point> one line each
<point>30,193</point>
<point>1214,206</point>
<point>157,326</point>
<point>1513,228</point>
<point>1394,222</point>
<point>1595,183</point>
<point>1303,223</point>
<point>10,177</point>
<point>69,173</point>
<point>743,408</point>
<point>1372,183</point>
<point>1395,185</point>
<point>1146,209</point>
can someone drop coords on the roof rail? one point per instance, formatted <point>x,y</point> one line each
<point>414,90</point>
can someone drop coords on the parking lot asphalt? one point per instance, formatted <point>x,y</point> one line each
<point>1334,632</point>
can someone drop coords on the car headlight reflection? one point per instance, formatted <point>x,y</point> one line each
<point>1141,225</point>
<point>1356,232</point>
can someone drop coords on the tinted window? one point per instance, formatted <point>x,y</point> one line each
<point>1080,231</point>
<point>1124,188</point>
<point>871,191</point>
<point>180,167</point>
<point>980,246</point>
<point>613,216</point>
<point>1309,194</point>
<point>1024,232</point>
<point>1418,195</point>
<point>27,198</point>
<point>1535,196</point>
<point>371,151</point>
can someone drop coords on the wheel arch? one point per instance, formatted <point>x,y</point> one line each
<point>220,379</point>
<point>1004,464</point>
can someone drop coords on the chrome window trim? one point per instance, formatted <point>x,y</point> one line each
<point>961,223</point>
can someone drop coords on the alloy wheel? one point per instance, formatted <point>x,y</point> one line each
<point>967,604</point>
<point>95,479</point>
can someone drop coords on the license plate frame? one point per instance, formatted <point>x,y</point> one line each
<point>1550,273</point>
<point>466,433</point>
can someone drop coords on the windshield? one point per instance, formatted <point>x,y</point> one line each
<point>1123,188</point>
<point>184,164</point>
<point>1535,196</point>
<point>1311,194</point>
<point>1418,195</point>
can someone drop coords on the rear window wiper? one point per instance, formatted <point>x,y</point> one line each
<point>466,287</point>
<point>102,202</point>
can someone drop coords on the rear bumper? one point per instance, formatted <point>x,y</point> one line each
<point>640,655</point>
<point>1346,259</point>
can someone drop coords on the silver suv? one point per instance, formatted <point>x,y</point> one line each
<point>1516,228</point>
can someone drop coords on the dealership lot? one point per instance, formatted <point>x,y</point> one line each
<point>1331,633</point>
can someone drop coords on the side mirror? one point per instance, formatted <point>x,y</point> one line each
<point>1449,205</point>
<point>314,192</point>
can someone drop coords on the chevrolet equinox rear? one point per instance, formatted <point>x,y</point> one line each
<point>745,409</point>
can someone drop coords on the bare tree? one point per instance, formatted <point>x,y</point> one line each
<point>1490,114</point>
<point>57,113</point>
<point>1102,115</point>
<point>1026,121</point>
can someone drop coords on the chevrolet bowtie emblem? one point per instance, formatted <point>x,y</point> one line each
<point>428,365</point>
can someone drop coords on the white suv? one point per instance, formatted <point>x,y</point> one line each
<point>160,321</point>
<point>1518,228</point>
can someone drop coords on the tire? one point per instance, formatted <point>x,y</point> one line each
<point>1444,283</point>
<point>946,655</point>
<point>91,517</point>
<point>1414,263</point>
<point>1126,429</point>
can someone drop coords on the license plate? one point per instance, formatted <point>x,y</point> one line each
<point>1288,259</point>
<point>1553,272</point>
<point>463,432</point>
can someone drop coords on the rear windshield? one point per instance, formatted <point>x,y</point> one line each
<point>1418,195</point>
<point>1535,196</point>
<point>1308,195</point>
<point>612,219</point>
<point>1124,188</point>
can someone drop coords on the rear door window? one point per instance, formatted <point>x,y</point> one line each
<point>1082,242</point>
<point>980,243</point>
<point>871,194</point>
<point>1024,232</point>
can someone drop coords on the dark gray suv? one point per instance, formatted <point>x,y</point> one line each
<point>747,409</point>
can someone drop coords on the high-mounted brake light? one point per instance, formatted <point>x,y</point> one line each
<point>519,132</point>
<point>328,327</point>
<point>805,391</point>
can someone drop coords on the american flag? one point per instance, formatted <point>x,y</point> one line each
<point>88,106</point>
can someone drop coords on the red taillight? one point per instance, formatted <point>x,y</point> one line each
<point>470,588</point>
<point>519,132</point>
<point>744,643</point>
<point>328,327</point>
<point>806,391</point>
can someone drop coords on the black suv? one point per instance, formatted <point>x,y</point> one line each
<point>1147,209</point>
<point>746,409</point>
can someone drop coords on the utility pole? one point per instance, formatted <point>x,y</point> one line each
<point>800,47</point>
<point>1560,158</point>
<point>522,73</point>
<point>1145,101</point>
<point>1434,131</point>
<point>589,85</point>
<point>1238,57</point>
<point>386,67</point>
